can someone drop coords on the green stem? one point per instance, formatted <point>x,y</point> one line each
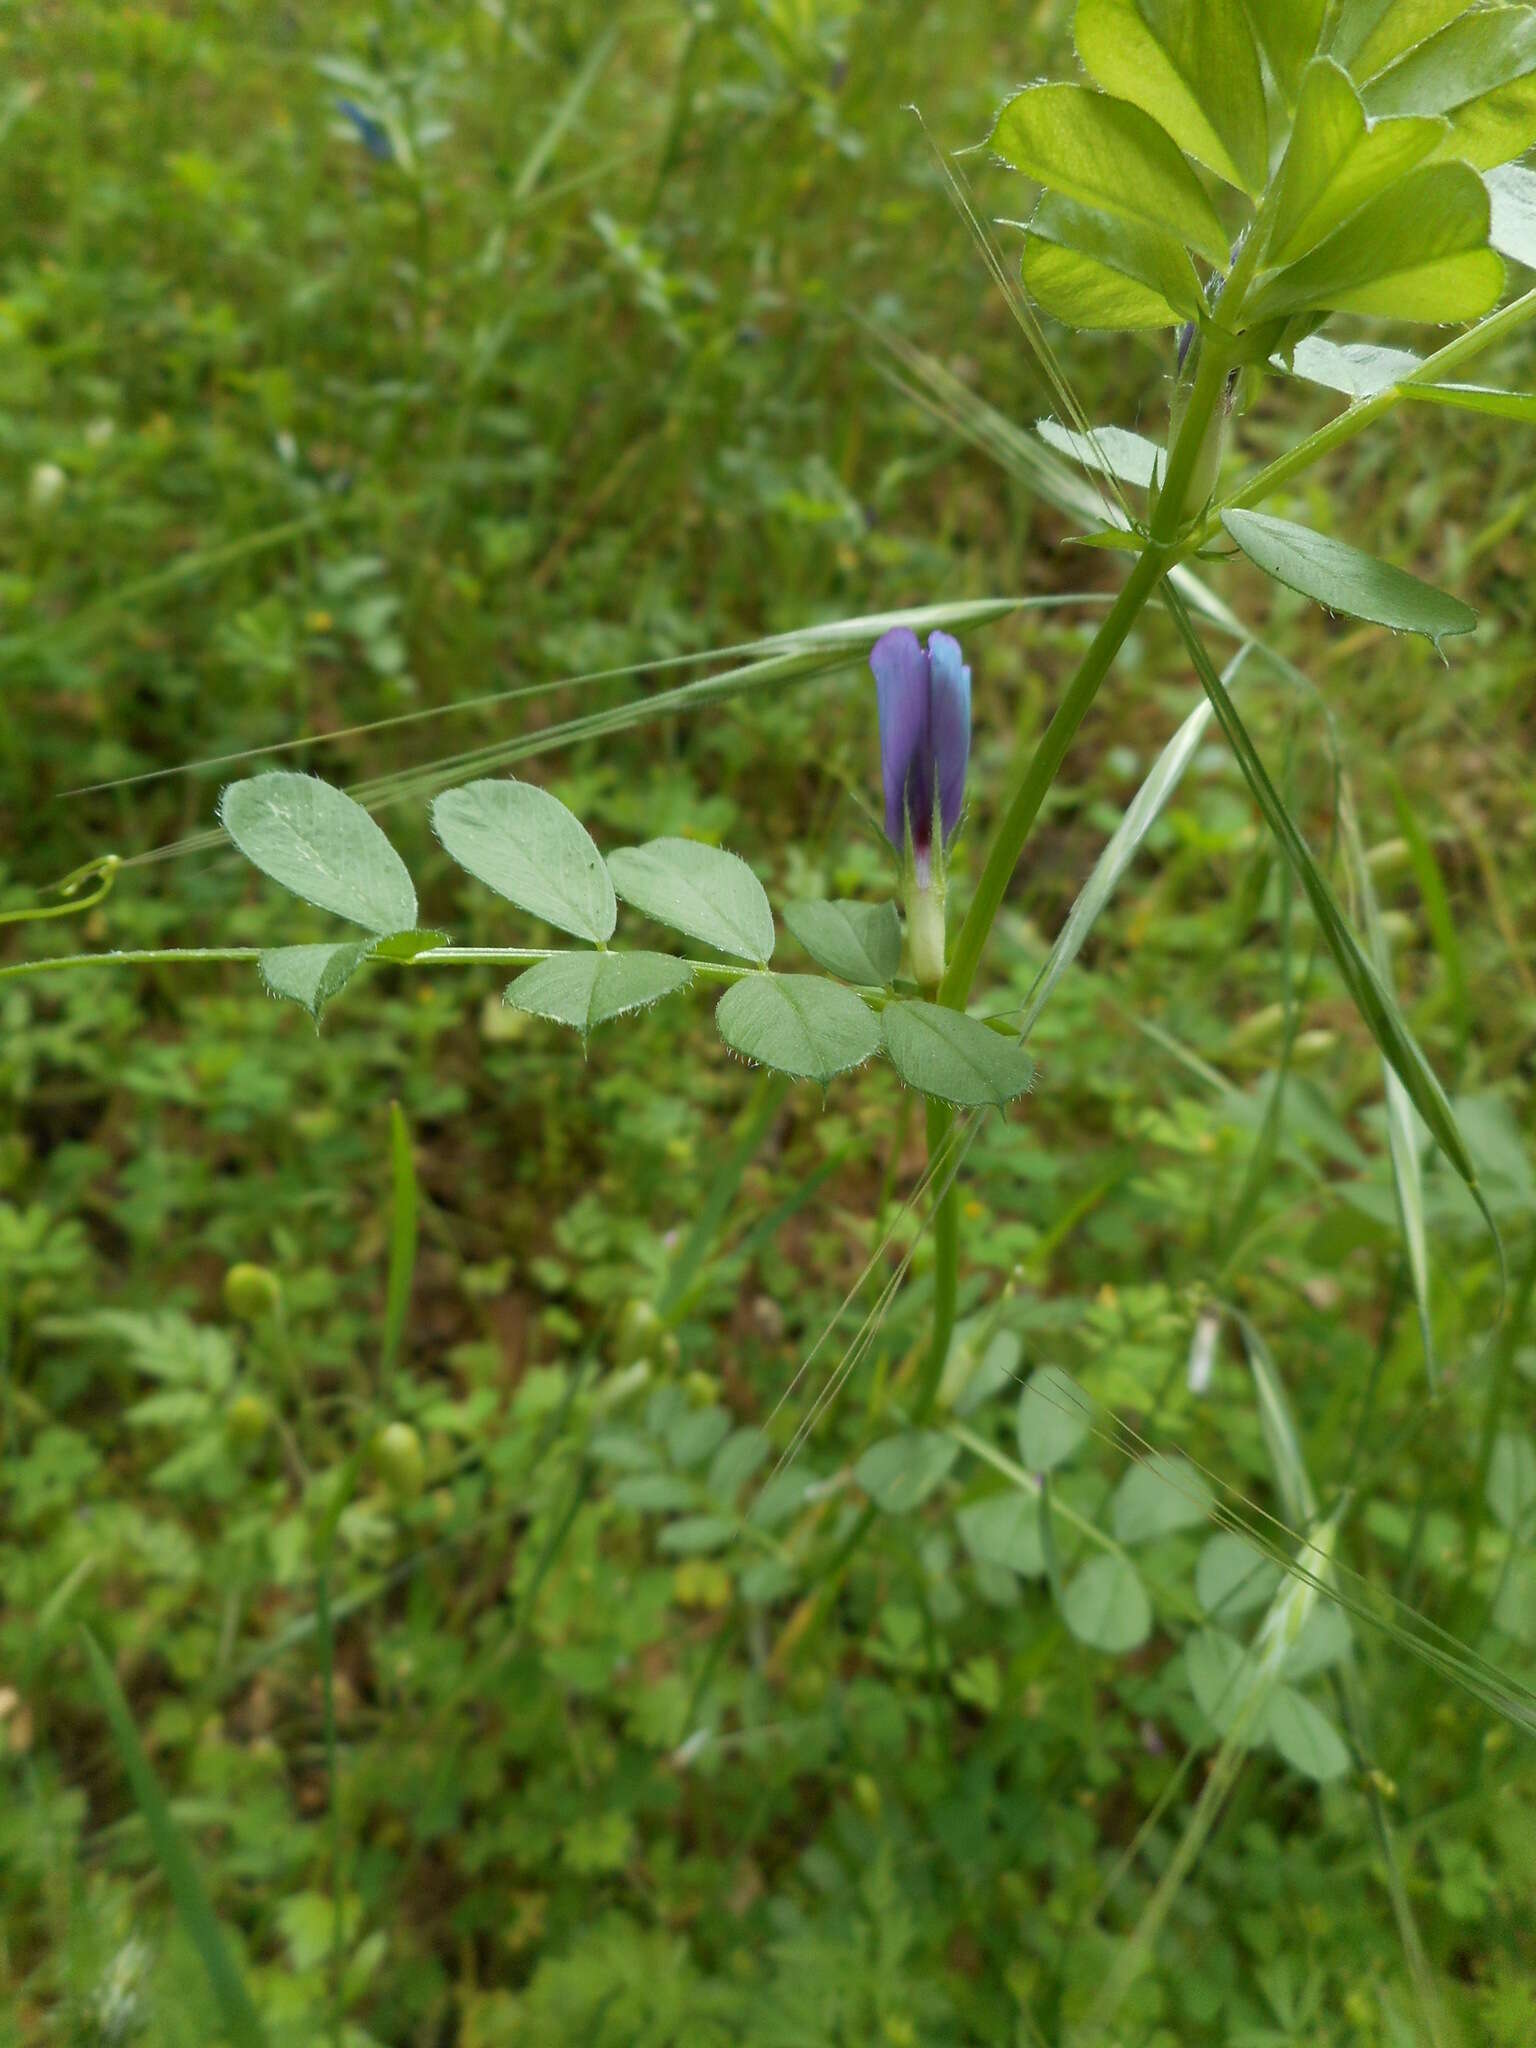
<point>1045,765</point>
<point>946,1255</point>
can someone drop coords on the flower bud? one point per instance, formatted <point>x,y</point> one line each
<point>925,934</point>
<point>252,1292</point>
<point>398,1460</point>
<point>246,1420</point>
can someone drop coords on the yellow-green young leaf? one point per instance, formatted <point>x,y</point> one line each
<point>1346,579</point>
<point>799,1024</point>
<point>1190,64</point>
<point>1336,162</point>
<point>1105,153</point>
<point>1287,31</point>
<point>1093,270</point>
<point>1418,251</point>
<point>583,990</point>
<point>1369,35</point>
<point>1480,73</point>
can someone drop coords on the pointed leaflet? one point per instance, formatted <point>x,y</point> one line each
<point>1480,73</point>
<point>1287,31</point>
<point>311,975</point>
<point>710,895</point>
<point>322,846</point>
<point>1418,251</point>
<point>1368,35</point>
<point>1334,162</point>
<point>798,1024</point>
<point>523,843</point>
<point>858,942</point>
<point>1105,153</point>
<point>1093,270</point>
<point>1345,579</point>
<point>583,990</point>
<point>1190,64</point>
<point>954,1058</point>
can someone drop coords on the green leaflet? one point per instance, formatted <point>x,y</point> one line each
<point>1004,1529</point>
<point>1159,1495</point>
<point>1480,73</point>
<point>311,975</point>
<point>1093,269</point>
<point>523,843</point>
<point>1417,251</point>
<point>1369,35</point>
<point>583,990</point>
<point>710,895</point>
<point>1053,1418</point>
<point>858,942</point>
<point>1346,579</point>
<point>322,846</point>
<point>1108,154</point>
<point>954,1058</point>
<point>1287,32</point>
<point>1335,162</point>
<point>900,1472</point>
<point>798,1024</point>
<point>1106,1606</point>
<point>1193,66</point>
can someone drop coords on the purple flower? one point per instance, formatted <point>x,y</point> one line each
<point>925,737</point>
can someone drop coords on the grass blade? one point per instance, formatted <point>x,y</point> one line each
<point>175,1858</point>
<point>402,1241</point>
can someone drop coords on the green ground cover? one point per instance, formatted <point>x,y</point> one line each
<point>472,1582</point>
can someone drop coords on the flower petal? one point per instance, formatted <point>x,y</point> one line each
<point>906,738</point>
<point>950,715</point>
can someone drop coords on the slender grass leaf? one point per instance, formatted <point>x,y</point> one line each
<point>1304,1735</point>
<point>1158,1496</point>
<point>1287,32</point>
<point>402,1239</point>
<point>1053,1418</point>
<point>1281,1439</point>
<point>1112,451</point>
<point>1004,1529</point>
<point>953,1058</point>
<point>1498,405</point>
<point>702,891</point>
<point>1375,1002</point>
<point>1105,153</point>
<point>1093,269</point>
<point>321,846</point>
<point>1418,251</point>
<point>798,1024</point>
<point>1106,1606</point>
<point>1437,911</point>
<point>1369,35</point>
<point>900,1472</point>
<point>1335,161</point>
<point>523,843</point>
<point>1345,579</point>
<point>858,942</point>
<point>1193,66</point>
<point>1478,73</point>
<point>238,2014</point>
<point>583,990</point>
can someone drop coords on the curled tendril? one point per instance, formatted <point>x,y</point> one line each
<point>102,871</point>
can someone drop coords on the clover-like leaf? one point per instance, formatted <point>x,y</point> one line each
<point>955,1058</point>
<point>322,846</point>
<point>859,942</point>
<point>798,1024</point>
<point>583,990</point>
<point>527,846</point>
<point>710,895</point>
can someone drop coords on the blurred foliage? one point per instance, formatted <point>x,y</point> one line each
<point>544,360</point>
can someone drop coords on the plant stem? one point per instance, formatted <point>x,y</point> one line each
<point>1045,765</point>
<point>946,1255</point>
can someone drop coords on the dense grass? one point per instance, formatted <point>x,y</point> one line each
<point>595,383</point>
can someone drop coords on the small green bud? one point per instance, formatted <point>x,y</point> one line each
<point>643,1334</point>
<point>925,934</point>
<point>399,1461</point>
<point>247,1419</point>
<point>866,1794</point>
<point>252,1293</point>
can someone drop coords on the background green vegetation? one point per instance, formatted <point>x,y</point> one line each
<point>598,380</point>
